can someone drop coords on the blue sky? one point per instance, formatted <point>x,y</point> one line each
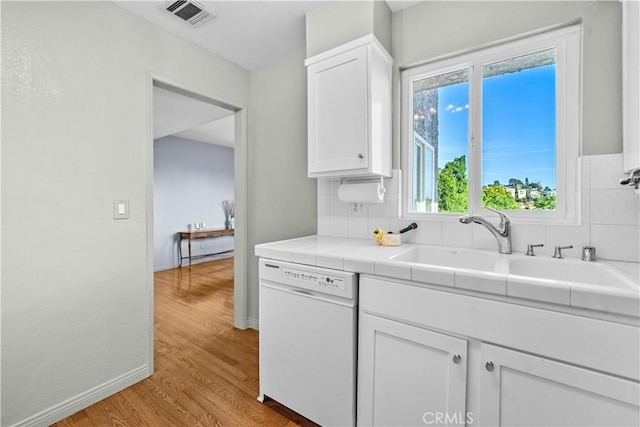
<point>519,126</point>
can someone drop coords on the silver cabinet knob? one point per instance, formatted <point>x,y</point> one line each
<point>457,358</point>
<point>489,366</point>
<point>361,156</point>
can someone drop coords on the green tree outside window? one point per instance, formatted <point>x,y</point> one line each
<point>452,186</point>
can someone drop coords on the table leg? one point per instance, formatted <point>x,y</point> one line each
<point>180,252</point>
<point>189,252</point>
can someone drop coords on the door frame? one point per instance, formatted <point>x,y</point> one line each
<point>240,179</point>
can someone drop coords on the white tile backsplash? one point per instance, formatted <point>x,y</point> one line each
<point>616,242</point>
<point>614,207</point>
<point>379,209</point>
<point>337,207</point>
<point>339,226</point>
<point>585,172</point>
<point>324,205</point>
<point>456,234</point>
<point>324,225</point>
<point>359,227</point>
<point>324,186</point>
<point>429,233</point>
<point>482,238</point>
<point>393,184</point>
<point>585,200</point>
<point>610,218</point>
<point>606,171</point>
<point>524,234</point>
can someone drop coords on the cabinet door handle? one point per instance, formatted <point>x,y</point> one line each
<point>457,358</point>
<point>361,156</point>
<point>489,366</point>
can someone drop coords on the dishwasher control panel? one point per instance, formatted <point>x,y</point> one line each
<point>326,281</point>
<point>322,280</point>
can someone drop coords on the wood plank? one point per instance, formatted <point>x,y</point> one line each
<point>106,414</point>
<point>206,371</point>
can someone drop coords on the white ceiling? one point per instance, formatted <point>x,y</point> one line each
<point>179,115</point>
<point>219,132</point>
<point>248,33</point>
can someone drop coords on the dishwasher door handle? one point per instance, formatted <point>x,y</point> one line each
<point>310,294</point>
<point>303,292</point>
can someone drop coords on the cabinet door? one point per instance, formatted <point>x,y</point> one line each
<point>338,112</point>
<point>518,389</point>
<point>408,376</point>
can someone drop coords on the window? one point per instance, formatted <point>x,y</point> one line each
<point>423,180</point>
<point>496,128</point>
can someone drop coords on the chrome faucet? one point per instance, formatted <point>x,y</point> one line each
<point>530,247</point>
<point>502,233</point>
<point>557,253</point>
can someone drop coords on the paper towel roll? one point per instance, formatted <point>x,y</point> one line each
<point>369,192</point>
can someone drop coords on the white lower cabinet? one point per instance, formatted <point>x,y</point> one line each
<point>519,389</point>
<point>431,357</point>
<point>410,376</point>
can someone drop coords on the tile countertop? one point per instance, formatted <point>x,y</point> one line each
<point>367,257</point>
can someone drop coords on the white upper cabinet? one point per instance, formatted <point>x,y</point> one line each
<point>631,83</point>
<point>349,110</point>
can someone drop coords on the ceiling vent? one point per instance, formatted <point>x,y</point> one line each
<point>190,12</point>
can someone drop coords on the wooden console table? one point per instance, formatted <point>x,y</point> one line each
<point>200,234</point>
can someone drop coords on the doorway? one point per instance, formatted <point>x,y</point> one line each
<point>229,121</point>
<point>193,162</point>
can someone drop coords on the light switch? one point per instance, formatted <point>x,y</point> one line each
<point>121,209</point>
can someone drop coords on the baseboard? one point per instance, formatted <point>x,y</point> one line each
<point>185,263</point>
<point>86,399</point>
<point>254,323</point>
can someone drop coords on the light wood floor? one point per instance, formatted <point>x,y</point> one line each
<point>206,372</point>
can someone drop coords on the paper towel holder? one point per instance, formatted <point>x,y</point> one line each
<point>364,179</point>
<point>361,190</point>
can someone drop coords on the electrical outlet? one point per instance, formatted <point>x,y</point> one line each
<point>358,209</point>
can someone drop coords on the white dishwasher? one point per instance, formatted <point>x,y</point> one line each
<point>308,340</point>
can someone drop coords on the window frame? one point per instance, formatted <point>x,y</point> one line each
<point>567,42</point>
<point>424,146</point>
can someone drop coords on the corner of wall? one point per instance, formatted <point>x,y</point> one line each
<point>85,399</point>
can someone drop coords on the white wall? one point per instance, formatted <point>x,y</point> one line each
<point>432,29</point>
<point>338,22</point>
<point>282,200</point>
<point>75,136</point>
<point>190,179</point>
